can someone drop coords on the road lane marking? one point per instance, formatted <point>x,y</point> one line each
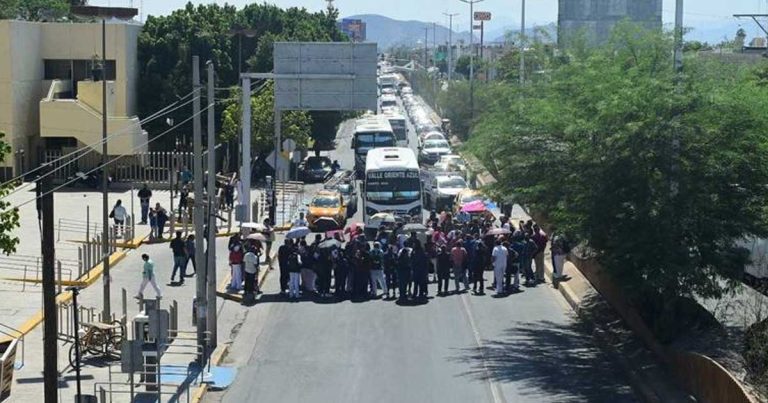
<point>496,393</point>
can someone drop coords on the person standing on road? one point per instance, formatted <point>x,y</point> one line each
<point>341,273</point>
<point>269,233</point>
<point>541,240</point>
<point>323,265</point>
<point>144,195</point>
<point>560,249</point>
<point>403,273</point>
<point>420,264</point>
<point>179,249</point>
<point>251,270</point>
<point>236,257</point>
<point>443,270</point>
<point>362,276</point>
<point>526,260</point>
<point>152,225</point>
<point>301,221</point>
<point>189,244</point>
<point>377,271</point>
<point>162,218</point>
<point>390,270</point>
<point>282,259</point>
<point>499,256</point>
<point>183,200</point>
<point>478,265</point>
<point>294,270</point>
<point>148,277</point>
<point>119,214</point>
<point>458,260</point>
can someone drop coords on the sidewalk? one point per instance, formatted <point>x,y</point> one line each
<point>127,274</point>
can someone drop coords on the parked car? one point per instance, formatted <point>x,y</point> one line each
<point>315,169</point>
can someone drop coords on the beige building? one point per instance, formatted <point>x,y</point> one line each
<point>51,90</point>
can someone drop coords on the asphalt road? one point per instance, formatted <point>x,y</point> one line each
<point>527,347</point>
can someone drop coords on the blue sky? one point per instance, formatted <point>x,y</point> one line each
<point>703,15</point>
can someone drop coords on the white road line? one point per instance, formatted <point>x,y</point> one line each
<point>496,393</point>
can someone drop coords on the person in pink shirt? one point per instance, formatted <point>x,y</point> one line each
<point>458,260</point>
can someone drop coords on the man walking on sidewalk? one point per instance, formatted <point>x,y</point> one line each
<point>148,277</point>
<point>179,257</point>
<point>144,195</point>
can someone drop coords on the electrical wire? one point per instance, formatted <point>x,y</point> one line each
<point>89,147</point>
<point>112,160</point>
<point>134,149</point>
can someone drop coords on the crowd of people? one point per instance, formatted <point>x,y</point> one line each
<point>402,265</point>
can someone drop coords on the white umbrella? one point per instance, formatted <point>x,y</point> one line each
<point>256,236</point>
<point>297,232</point>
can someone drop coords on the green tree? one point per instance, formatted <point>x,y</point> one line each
<point>295,125</point>
<point>591,148</point>
<point>9,217</point>
<point>33,10</point>
<point>167,44</point>
<point>462,66</point>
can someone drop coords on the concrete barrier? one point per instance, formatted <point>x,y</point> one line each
<point>710,380</point>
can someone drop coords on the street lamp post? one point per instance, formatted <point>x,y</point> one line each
<point>450,44</point>
<point>471,55</point>
<point>522,46</point>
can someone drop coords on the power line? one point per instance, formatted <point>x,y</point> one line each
<point>89,147</point>
<point>113,159</point>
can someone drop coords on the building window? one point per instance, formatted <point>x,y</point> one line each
<point>57,69</point>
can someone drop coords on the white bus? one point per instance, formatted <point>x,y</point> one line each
<point>399,127</point>
<point>392,184</point>
<point>371,131</point>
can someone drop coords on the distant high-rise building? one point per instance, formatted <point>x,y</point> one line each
<point>354,28</point>
<point>596,18</point>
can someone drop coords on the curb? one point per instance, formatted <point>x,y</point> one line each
<point>217,357</point>
<point>638,385</point>
<point>221,289</point>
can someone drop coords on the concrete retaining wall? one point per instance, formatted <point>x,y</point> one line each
<point>708,379</point>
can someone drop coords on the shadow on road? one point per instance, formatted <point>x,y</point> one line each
<point>550,358</point>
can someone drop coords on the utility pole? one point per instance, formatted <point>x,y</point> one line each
<point>210,267</point>
<point>197,147</point>
<point>50,347</point>
<point>471,55</point>
<point>245,167</point>
<point>482,37</point>
<point>450,44</point>
<point>678,64</point>
<point>106,313</point>
<point>426,42</point>
<point>522,46</point>
<point>434,43</point>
